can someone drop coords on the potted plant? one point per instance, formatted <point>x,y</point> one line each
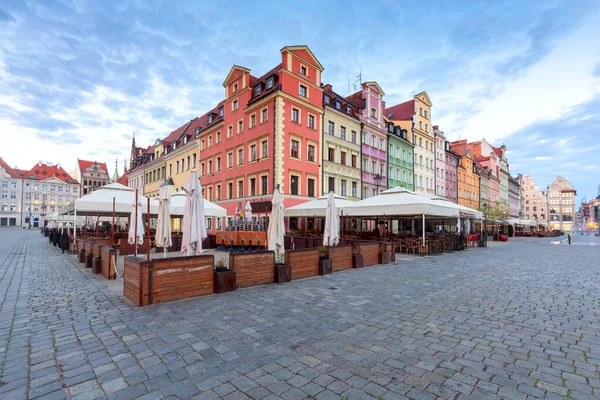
<point>223,277</point>
<point>283,271</point>
<point>325,264</point>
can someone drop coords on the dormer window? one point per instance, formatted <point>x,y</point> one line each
<point>373,113</point>
<point>197,131</point>
<point>391,128</point>
<point>326,99</point>
<point>258,90</point>
<point>338,105</point>
<point>220,111</point>
<point>348,110</point>
<point>210,119</point>
<point>185,139</point>
<point>303,71</point>
<point>270,83</point>
<point>174,145</point>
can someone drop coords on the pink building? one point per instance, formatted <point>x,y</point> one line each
<point>489,164</point>
<point>451,168</point>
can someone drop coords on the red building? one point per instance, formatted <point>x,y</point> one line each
<point>266,132</point>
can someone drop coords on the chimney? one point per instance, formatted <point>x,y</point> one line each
<point>58,165</point>
<point>328,87</point>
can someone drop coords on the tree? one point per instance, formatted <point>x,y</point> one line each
<point>497,212</point>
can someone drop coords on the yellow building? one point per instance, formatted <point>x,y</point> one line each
<point>468,181</point>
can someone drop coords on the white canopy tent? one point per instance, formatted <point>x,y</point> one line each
<point>177,205</point>
<point>465,212</point>
<point>317,207</point>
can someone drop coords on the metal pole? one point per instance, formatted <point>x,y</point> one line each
<point>74,227</point>
<point>423,229</point>
<point>113,223</point>
<point>97,223</point>
<point>86,222</point>
<point>148,219</point>
<point>135,232</point>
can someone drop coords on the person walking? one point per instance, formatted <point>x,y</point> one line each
<point>569,237</point>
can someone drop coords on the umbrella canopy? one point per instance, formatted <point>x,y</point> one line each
<point>331,234</point>
<point>317,207</point>
<point>276,230</point>
<point>101,202</point>
<point>248,209</point>
<point>163,224</point>
<point>177,206</point>
<point>194,228</point>
<point>136,220</point>
<point>466,211</point>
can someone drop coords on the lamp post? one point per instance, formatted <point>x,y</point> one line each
<point>520,214</point>
<point>377,179</point>
<point>485,215</point>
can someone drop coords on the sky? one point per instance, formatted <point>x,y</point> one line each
<point>78,78</point>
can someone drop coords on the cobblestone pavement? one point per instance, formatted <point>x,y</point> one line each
<point>515,321</point>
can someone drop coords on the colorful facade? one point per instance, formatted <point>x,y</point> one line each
<point>440,162</point>
<point>341,147</point>
<point>561,205</point>
<point>451,173</point>
<point>399,157</point>
<point>373,138</point>
<point>534,204</point>
<point>91,175</point>
<point>415,116</point>
<point>468,181</point>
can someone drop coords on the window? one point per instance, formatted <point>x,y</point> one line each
<point>425,111</point>
<point>381,144</point>
<point>373,112</point>
<point>343,187</point>
<point>363,136</point>
<point>252,186</point>
<point>338,105</point>
<point>343,132</point>
<point>265,115</point>
<point>343,158</point>
<point>258,90</point>
<point>372,140</point>
<point>209,223</point>
<point>311,121</point>
<point>230,190</point>
<point>230,160</point>
<point>240,156</point>
<point>229,131</point>
<point>353,136</point>
<point>263,184</point>
<point>218,138</point>
<point>235,105</point>
<point>193,164</point>
<point>348,110</point>
<point>311,153</point>
<point>303,71</point>
<point>270,83</point>
<point>294,149</point>
<point>330,127</point>
<point>303,91</point>
<point>264,149</point>
<point>253,152</point>
<point>218,163</point>
<point>220,112</point>
<point>188,162</point>
<point>353,189</point>
<point>252,120</point>
<point>295,115</point>
<point>364,164</point>
<point>331,184</point>
<point>235,87</point>
<point>373,167</point>
<point>201,169</point>
<point>240,127</point>
<point>326,99</point>
<point>240,188</point>
<point>381,170</point>
<point>210,166</point>
<point>353,160</point>
<point>294,185</point>
<point>331,155</point>
<point>218,192</point>
<point>311,187</point>
<point>420,125</point>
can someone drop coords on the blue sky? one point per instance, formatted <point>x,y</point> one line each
<point>77,78</point>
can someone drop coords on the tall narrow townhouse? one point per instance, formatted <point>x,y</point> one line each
<point>415,116</point>
<point>440,161</point>
<point>341,148</point>
<point>451,173</point>
<point>373,138</point>
<point>270,136</point>
<point>399,157</point>
<point>494,158</point>
<point>468,180</point>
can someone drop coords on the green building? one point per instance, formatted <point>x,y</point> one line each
<point>399,158</point>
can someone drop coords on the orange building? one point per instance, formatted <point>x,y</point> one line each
<point>468,178</point>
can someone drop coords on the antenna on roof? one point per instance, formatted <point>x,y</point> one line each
<point>358,79</point>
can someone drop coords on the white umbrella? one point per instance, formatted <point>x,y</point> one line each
<point>194,228</point>
<point>163,225</point>
<point>331,234</point>
<point>136,220</point>
<point>248,209</point>
<point>276,230</point>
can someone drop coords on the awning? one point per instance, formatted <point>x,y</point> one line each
<point>317,207</point>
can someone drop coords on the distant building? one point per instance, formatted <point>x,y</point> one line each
<point>11,190</point>
<point>533,202</point>
<point>514,197</point>
<point>440,162</point>
<point>91,175</point>
<point>451,169</point>
<point>561,203</point>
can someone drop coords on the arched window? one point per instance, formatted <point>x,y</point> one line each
<point>85,182</point>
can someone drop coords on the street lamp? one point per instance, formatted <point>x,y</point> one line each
<point>378,181</point>
<point>485,215</point>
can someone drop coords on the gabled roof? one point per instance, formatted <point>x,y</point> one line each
<point>123,179</point>
<point>234,72</point>
<point>263,79</point>
<point>9,170</point>
<point>401,112</point>
<point>424,98</point>
<point>328,90</point>
<point>43,171</point>
<point>356,99</point>
<point>375,85</point>
<point>85,164</point>
<point>304,48</point>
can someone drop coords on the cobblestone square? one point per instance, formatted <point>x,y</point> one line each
<point>519,320</point>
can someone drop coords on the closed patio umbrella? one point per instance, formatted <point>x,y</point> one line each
<point>136,220</point>
<point>331,233</point>
<point>194,228</point>
<point>248,209</point>
<point>276,230</point>
<point>163,224</point>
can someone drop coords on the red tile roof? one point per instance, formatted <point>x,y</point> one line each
<point>263,79</point>
<point>45,171</point>
<point>328,90</point>
<point>401,112</point>
<point>9,170</point>
<point>84,164</point>
<point>123,179</point>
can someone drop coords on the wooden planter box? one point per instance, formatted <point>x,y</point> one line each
<point>108,258</point>
<point>357,261</point>
<point>253,269</point>
<point>166,279</point>
<point>283,273</point>
<point>369,251</point>
<point>304,262</point>
<point>384,257</point>
<point>81,250</point>
<point>126,249</point>
<point>341,257</point>
<point>224,281</point>
<point>388,247</point>
<point>325,266</point>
